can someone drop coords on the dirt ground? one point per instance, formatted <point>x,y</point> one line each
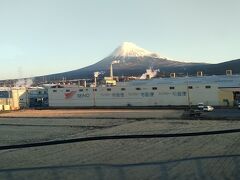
<point>96,113</point>
<point>203,157</point>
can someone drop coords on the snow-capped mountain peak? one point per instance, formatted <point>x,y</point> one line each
<point>128,49</point>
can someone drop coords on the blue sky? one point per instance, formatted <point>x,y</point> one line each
<point>39,37</point>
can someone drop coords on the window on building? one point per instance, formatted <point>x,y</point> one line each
<point>123,89</point>
<point>109,89</point>
<point>81,90</point>
<point>94,89</point>
<point>117,94</point>
<point>67,90</point>
<point>154,88</point>
<point>190,87</point>
<point>138,89</point>
<point>207,87</point>
<point>171,87</point>
<point>54,90</point>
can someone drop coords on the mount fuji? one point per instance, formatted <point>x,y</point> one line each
<point>128,49</point>
<point>130,55</point>
<point>134,60</point>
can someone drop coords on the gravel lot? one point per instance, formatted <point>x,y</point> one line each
<point>97,113</point>
<point>203,157</point>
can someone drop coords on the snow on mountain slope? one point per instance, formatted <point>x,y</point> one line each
<point>133,61</point>
<point>128,49</point>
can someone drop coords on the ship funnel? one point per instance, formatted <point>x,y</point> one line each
<point>111,67</point>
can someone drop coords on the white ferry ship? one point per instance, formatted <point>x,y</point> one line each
<point>222,90</point>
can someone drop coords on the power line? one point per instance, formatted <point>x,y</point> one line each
<point>118,137</point>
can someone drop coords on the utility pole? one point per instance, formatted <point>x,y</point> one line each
<point>188,95</point>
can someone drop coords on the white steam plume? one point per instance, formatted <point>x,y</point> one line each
<point>24,82</point>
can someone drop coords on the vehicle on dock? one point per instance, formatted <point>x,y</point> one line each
<point>200,106</point>
<point>208,108</point>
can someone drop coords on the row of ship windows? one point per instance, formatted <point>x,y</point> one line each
<point>153,88</point>
<point>123,89</point>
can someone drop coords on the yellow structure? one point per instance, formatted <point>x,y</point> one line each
<point>226,96</point>
<point>110,81</point>
<point>10,98</point>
